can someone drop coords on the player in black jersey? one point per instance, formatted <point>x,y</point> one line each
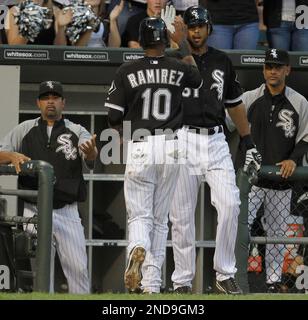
<point>209,158</point>
<point>148,93</point>
<point>278,116</point>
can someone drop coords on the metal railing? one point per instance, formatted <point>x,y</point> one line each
<point>45,174</point>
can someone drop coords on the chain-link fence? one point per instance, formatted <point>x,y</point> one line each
<point>273,246</point>
<point>270,215</point>
<point>277,210</point>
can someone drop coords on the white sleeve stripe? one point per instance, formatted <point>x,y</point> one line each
<point>233,100</point>
<point>113,106</point>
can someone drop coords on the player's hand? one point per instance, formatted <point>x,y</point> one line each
<point>17,159</point>
<point>253,157</point>
<point>168,15</point>
<point>287,168</point>
<point>89,149</point>
<point>180,30</point>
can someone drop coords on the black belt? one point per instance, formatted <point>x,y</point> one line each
<point>206,131</point>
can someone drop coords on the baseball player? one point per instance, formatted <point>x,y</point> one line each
<point>278,116</point>
<point>64,145</point>
<point>208,158</point>
<point>148,93</point>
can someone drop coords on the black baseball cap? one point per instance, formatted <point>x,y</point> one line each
<point>277,56</point>
<point>50,87</point>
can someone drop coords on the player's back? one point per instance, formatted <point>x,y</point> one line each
<point>152,92</point>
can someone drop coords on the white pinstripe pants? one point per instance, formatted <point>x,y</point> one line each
<point>276,211</point>
<point>69,241</point>
<point>208,158</point>
<point>150,180</point>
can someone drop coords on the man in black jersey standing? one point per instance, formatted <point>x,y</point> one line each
<point>278,116</point>
<point>148,94</point>
<point>65,145</point>
<point>208,158</point>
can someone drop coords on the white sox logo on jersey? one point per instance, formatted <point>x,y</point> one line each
<point>67,147</point>
<point>286,122</point>
<point>218,77</point>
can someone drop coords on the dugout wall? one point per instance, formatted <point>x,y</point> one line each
<point>9,107</point>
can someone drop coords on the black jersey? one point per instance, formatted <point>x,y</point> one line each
<point>219,78</point>
<point>278,123</point>
<point>278,127</point>
<point>148,92</point>
<point>60,150</point>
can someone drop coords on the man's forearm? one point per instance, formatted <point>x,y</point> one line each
<point>60,38</point>
<point>239,118</point>
<point>300,149</point>
<point>114,39</point>
<point>5,157</point>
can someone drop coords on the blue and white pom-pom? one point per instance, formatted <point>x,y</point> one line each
<point>31,19</point>
<point>83,19</point>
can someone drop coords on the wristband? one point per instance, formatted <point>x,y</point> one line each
<point>184,49</point>
<point>247,142</point>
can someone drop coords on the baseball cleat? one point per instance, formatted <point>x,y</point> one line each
<point>132,275</point>
<point>183,290</point>
<point>147,291</point>
<point>136,291</point>
<point>228,286</point>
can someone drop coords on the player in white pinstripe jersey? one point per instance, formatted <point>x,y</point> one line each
<point>64,145</point>
<point>208,158</point>
<point>213,163</point>
<point>148,92</point>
